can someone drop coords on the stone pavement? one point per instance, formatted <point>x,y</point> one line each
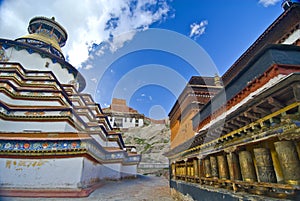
<point>144,188</point>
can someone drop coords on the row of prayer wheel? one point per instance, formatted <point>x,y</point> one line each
<point>240,166</point>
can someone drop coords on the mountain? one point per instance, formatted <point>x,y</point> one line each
<point>151,141</point>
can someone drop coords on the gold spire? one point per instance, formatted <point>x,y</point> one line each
<point>43,38</point>
<point>46,31</point>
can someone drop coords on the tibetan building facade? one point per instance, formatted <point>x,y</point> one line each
<point>121,116</point>
<point>197,92</point>
<point>54,139</point>
<point>247,137</point>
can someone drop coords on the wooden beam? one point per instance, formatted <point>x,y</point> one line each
<point>261,110</point>
<point>296,91</point>
<point>231,126</point>
<point>226,130</point>
<point>244,119</point>
<point>276,103</point>
<point>238,123</point>
<point>252,115</point>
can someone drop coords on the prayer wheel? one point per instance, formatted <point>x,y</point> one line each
<point>196,167</point>
<point>173,168</point>
<point>214,166</point>
<point>233,166</point>
<point>289,161</point>
<point>185,170</point>
<point>207,167</point>
<point>223,167</point>
<point>298,148</point>
<point>201,168</point>
<point>247,167</point>
<point>192,170</point>
<point>264,165</point>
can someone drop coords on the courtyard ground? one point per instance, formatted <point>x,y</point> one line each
<point>144,188</point>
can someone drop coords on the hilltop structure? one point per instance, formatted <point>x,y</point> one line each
<point>247,136</point>
<point>122,116</point>
<point>54,140</point>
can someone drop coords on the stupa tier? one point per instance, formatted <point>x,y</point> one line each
<point>54,140</point>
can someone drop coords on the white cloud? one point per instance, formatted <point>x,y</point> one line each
<point>119,40</point>
<point>87,22</point>
<point>101,49</point>
<point>91,57</point>
<point>198,29</point>
<point>94,80</point>
<point>88,67</point>
<point>267,3</point>
<point>106,105</point>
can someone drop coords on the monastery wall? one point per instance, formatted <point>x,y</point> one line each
<point>93,172</point>
<point>40,173</point>
<point>185,130</point>
<point>122,121</point>
<point>74,172</point>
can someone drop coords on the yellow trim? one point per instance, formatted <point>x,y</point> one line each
<point>43,152</point>
<point>259,121</point>
<point>44,38</point>
<point>293,182</point>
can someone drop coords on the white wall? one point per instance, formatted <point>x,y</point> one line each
<point>127,122</point>
<point>76,172</point>
<point>27,102</point>
<point>129,171</point>
<point>94,172</point>
<point>35,62</point>
<point>111,171</point>
<point>141,122</point>
<point>19,126</point>
<point>40,173</point>
<point>292,38</point>
<point>100,140</point>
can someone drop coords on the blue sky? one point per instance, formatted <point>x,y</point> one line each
<point>230,27</point>
<point>233,25</point>
<point>146,50</point>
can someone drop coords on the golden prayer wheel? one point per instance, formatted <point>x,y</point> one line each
<point>182,170</point>
<point>201,168</point>
<point>223,167</point>
<point>214,166</point>
<point>192,171</point>
<point>264,165</point>
<point>233,166</point>
<point>247,167</point>
<point>196,168</point>
<point>186,171</point>
<point>173,168</point>
<point>207,167</point>
<point>289,161</point>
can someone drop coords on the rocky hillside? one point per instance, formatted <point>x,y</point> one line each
<point>151,141</point>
